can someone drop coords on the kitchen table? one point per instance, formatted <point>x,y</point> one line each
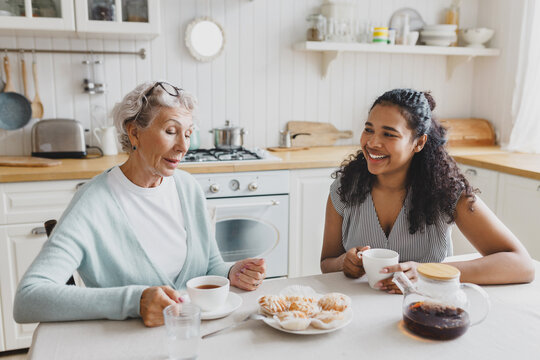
<point>512,329</point>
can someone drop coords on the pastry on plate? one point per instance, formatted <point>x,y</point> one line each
<point>293,320</point>
<point>273,304</point>
<point>335,302</point>
<point>306,305</point>
<point>327,319</point>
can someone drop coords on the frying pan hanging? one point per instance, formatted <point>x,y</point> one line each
<point>15,109</point>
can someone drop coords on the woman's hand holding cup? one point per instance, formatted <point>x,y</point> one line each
<point>248,274</point>
<point>153,300</point>
<point>352,263</point>
<point>408,268</point>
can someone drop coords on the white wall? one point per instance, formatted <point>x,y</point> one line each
<point>259,82</point>
<point>494,81</point>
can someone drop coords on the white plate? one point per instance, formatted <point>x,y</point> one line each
<point>234,301</point>
<point>348,316</point>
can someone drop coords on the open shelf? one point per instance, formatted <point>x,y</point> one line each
<point>455,55</point>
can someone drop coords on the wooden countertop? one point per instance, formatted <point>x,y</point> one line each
<point>489,157</point>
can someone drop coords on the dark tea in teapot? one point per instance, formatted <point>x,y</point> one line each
<point>436,321</point>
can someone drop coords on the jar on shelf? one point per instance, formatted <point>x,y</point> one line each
<point>317,27</point>
<point>452,17</point>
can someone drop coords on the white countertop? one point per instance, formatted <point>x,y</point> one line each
<point>512,329</point>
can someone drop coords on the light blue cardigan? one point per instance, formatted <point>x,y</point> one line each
<point>94,237</point>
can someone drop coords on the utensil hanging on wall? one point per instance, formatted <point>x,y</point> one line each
<point>2,83</point>
<point>37,106</point>
<point>16,109</point>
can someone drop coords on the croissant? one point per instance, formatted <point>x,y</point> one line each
<point>272,304</point>
<point>335,302</point>
<point>293,320</point>
<point>327,319</point>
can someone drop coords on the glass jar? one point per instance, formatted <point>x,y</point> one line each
<point>317,27</point>
<point>452,17</point>
<point>436,307</point>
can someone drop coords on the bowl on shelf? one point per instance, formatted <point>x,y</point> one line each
<point>476,37</point>
<point>448,28</point>
<point>438,34</point>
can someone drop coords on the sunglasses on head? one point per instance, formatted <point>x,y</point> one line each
<point>168,88</point>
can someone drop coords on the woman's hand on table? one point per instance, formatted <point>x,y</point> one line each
<point>408,268</point>
<point>352,263</point>
<point>248,274</point>
<point>153,300</point>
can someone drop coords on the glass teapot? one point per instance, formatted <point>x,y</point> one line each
<point>436,307</point>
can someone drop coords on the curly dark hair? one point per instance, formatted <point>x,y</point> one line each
<point>434,179</point>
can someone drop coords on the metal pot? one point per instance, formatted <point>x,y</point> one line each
<point>228,137</point>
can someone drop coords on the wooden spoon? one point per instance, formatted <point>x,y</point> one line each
<point>25,82</point>
<point>9,86</point>
<point>37,106</point>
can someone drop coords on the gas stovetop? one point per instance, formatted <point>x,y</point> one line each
<point>207,155</point>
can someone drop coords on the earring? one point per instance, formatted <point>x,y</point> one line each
<point>134,148</point>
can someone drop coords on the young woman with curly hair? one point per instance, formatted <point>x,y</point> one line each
<point>402,191</point>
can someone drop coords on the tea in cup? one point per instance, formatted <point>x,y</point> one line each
<point>208,292</point>
<point>374,260</point>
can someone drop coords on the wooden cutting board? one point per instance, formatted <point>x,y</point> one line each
<point>281,149</point>
<point>28,161</point>
<point>469,132</point>
<point>319,134</point>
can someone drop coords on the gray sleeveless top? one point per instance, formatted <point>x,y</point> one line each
<point>431,243</point>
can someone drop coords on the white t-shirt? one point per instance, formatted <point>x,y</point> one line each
<point>156,217</point>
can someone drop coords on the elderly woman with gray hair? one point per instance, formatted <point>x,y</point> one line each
<point>135,233</point>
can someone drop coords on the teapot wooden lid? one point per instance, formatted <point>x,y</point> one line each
<point>438,271</point>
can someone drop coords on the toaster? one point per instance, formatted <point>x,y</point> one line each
<point>58,138</point>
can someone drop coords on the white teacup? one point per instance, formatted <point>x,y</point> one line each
<point>376,259</point>
<point>208,292</point>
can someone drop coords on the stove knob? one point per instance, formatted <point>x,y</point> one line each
<point>214,188</point>
<point>253,186</point>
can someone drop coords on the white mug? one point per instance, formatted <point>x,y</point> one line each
<point>107,139</point>
<point>374,260</point>
<point>208,292</point>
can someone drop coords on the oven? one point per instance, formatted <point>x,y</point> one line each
<point>251,212</point>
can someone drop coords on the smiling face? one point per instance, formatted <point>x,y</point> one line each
<point>387,142</point>
<point>159,147</point>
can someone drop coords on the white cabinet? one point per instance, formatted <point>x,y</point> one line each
<point>32,15</point>
<point>118,18</point>
<point>309,191</point>
<point>24,207</point>
<point>514,199</point>
<point>519,209</point>
<point>88,18</point>
<point>2,343</point>
<point>18,248</point>
<point>486,181</point>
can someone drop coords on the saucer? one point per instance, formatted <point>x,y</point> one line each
<point>232,303</point>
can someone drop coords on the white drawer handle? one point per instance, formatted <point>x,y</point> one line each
<point>39,230</point>
<point>79,185</point>
<point>269,203</point>
<point>471,172</point>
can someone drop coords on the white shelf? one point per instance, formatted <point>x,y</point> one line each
<point>455,55</point>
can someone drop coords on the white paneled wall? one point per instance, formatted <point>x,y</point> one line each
<point>494,81</point>
<point>259,82</point>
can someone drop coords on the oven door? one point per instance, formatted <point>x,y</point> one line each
<point>258,226</point>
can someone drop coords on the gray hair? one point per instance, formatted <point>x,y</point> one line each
<point>136,108</point>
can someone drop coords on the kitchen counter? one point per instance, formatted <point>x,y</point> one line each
<point>489,157</point>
